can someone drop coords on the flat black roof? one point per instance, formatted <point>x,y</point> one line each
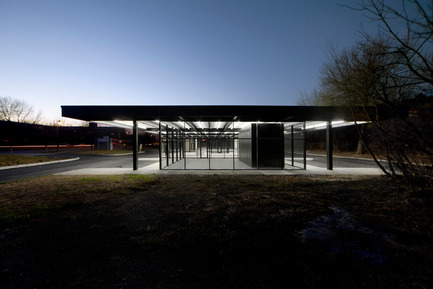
<point>208,113</point>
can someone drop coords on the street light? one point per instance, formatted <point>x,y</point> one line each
<point>59,122</point>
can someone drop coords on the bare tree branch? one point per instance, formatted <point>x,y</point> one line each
<point>17,110</point>
<point>416,45</point>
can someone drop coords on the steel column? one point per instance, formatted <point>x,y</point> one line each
<point>160,147</point>
<point>166,145</point>
<point>329,146</point>
<point>135,145</point>
<point>292,146</point>
<point>305,146</point>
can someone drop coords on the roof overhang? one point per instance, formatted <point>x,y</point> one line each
<point>214,113</point>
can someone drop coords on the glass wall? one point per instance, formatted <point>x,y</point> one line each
<point>294,145</point>
<point>232,145</point>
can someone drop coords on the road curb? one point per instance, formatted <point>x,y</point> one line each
<point>38,164</point>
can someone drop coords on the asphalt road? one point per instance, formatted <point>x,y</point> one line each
<point>340,162</point>
<point>85,161</point>
<point>145,159</point>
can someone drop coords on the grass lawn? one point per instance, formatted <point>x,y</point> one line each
<point>12,160</point>
<point>185,231</point>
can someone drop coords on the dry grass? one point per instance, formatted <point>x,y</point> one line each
<point>134,231</point>
<point>12,160</point>
<point>21,199</point>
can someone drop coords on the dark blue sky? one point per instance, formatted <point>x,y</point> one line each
<point>167,52</point>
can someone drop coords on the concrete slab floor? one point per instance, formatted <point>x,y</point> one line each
<point>154,169</point>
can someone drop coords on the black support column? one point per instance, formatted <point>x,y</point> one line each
<point>329,146</point>
<point>160,146</point>
<point>135,146</point>
<point>166,146</point>
<point>305,145</point>
<point>292,145</point>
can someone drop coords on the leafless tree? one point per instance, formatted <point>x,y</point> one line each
<point>391,72</point>
<point>353,77</point>
<point>408,27</point>
<point>406,46</point>
<point>315,97</point>
<point>369,74</point>
<point>17,110</point>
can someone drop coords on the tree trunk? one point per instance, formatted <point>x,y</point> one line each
<point>360,147</point>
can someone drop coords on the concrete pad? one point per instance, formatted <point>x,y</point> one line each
<point>311,170</point>
<point>154,169</point>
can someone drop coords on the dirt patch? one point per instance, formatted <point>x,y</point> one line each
<point>214,232</point>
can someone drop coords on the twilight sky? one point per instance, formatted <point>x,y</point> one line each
<point>168,52</point>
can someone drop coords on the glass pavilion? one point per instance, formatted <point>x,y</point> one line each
<point>224,137</point>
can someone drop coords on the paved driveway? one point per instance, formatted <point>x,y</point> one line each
<point>104,164</point>
<point>85,161</point>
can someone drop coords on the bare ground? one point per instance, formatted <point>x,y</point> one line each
<point>214,232</point>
